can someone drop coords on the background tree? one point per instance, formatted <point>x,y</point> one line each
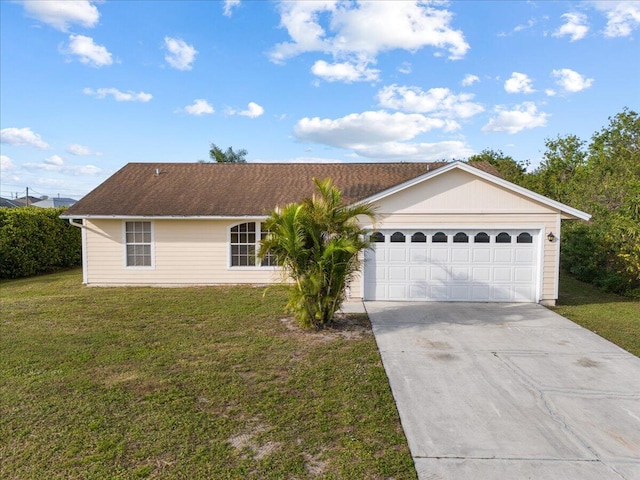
<point>228,156</point>
<point>604,180</point>
<point>510,169</point>
<point>317,242</point>
<point>562,169</point>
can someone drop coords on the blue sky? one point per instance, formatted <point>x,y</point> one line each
<point>86,87</point>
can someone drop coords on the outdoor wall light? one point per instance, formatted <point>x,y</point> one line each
<point>551,237</point>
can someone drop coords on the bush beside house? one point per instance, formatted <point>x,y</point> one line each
<point>36,240</point>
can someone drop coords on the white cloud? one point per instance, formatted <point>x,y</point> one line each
<point>80,150</point>
<point>22,136</point>
<point>359,130</point>
<point>54,160</point>
<point>405,68</point>
<point>6,164</point>
<point>87,51</point>
<point>199,107</point>
<point>525,26</point>
<point>417,152</point>
<point>440,102</point>
<point>469,80</point>
<point>61,14</point>
<point>358,31</point>
<point>253,111</point>
<point>228,7</point>
<point>344,72</point>
<point>571,81</point>
<point>518,83</point>
<point>119,96</point>
<point>382,135</point>
<point>50,165</point>
<point>523,116</point>
<point>623,17</point>
<point>550,92</point>
<point>576,26</point>
<point>180,55</point>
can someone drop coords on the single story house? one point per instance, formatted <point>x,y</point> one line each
<point>445,231</point>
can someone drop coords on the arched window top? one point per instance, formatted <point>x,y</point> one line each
<point>398,237</point>
<point>243,233</point>
<point>418,237</point>
<point>461,237</point>
<point>525,237</point>
<point>439,237</point>
<point>481,237</point>
<point>503,237</point>
<point>377,237</point>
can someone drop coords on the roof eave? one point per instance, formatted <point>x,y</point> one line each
<point>160,217</point>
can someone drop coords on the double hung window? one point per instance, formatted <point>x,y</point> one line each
<point>138,244</point>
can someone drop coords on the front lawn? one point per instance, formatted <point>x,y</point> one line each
<point>186,383</point>
<point>611,316</point>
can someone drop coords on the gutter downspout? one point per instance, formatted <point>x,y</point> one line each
<point>83,227</point>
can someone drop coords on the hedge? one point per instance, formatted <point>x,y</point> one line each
<point>36,240</point>
<point>604,252</point>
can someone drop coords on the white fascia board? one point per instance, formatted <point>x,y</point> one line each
<point>565,209</point>
<point>167,217</point>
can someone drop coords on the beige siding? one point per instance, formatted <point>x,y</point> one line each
<point>186,252</point>
<point>457,191</point>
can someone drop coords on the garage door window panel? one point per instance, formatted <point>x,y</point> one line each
<point>439,237</point>
<point>525,237</point>
<point>418,237</point>
<point>503,237</point>
<point>398,237</point>
<point>481,237</point>
<point>460,237</point>
<point>377,237</point>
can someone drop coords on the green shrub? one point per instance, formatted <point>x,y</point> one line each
<point>604,252</point>
<point>36,240</point>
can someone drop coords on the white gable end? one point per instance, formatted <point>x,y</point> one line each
<point>458,191</point>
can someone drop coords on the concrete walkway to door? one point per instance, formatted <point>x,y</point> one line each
<point>509,391</point>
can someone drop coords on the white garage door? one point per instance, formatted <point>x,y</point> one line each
<point>452,265</point>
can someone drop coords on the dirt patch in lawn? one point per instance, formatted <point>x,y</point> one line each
<point>347,326</point>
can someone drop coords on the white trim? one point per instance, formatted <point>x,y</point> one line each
<point>153,246</point>
<point>85,254</point>
<point>486,176</point>
<point>558,234</point>
<point>166,217</point>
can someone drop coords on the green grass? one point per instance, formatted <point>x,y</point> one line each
<point>185,383</point>
<point>611,316</point>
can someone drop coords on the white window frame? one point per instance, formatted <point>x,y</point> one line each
<point>258,233</point>
<point>152,245</point>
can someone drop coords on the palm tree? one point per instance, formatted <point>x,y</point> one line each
<point>317,242</point>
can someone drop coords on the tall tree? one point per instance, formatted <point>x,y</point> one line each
<point>606,251</point>
<point>317,242</point>
<point>228,156</point>
<point>509,169</point>
<point>561,170</point>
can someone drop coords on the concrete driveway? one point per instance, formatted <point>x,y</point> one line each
<point>509,391</point>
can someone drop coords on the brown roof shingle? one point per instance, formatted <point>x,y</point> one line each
<point>213,189</point>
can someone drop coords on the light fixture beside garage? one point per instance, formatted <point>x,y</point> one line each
<point>551,237</point>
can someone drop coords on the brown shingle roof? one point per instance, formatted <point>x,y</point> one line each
<point>213,189</point>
